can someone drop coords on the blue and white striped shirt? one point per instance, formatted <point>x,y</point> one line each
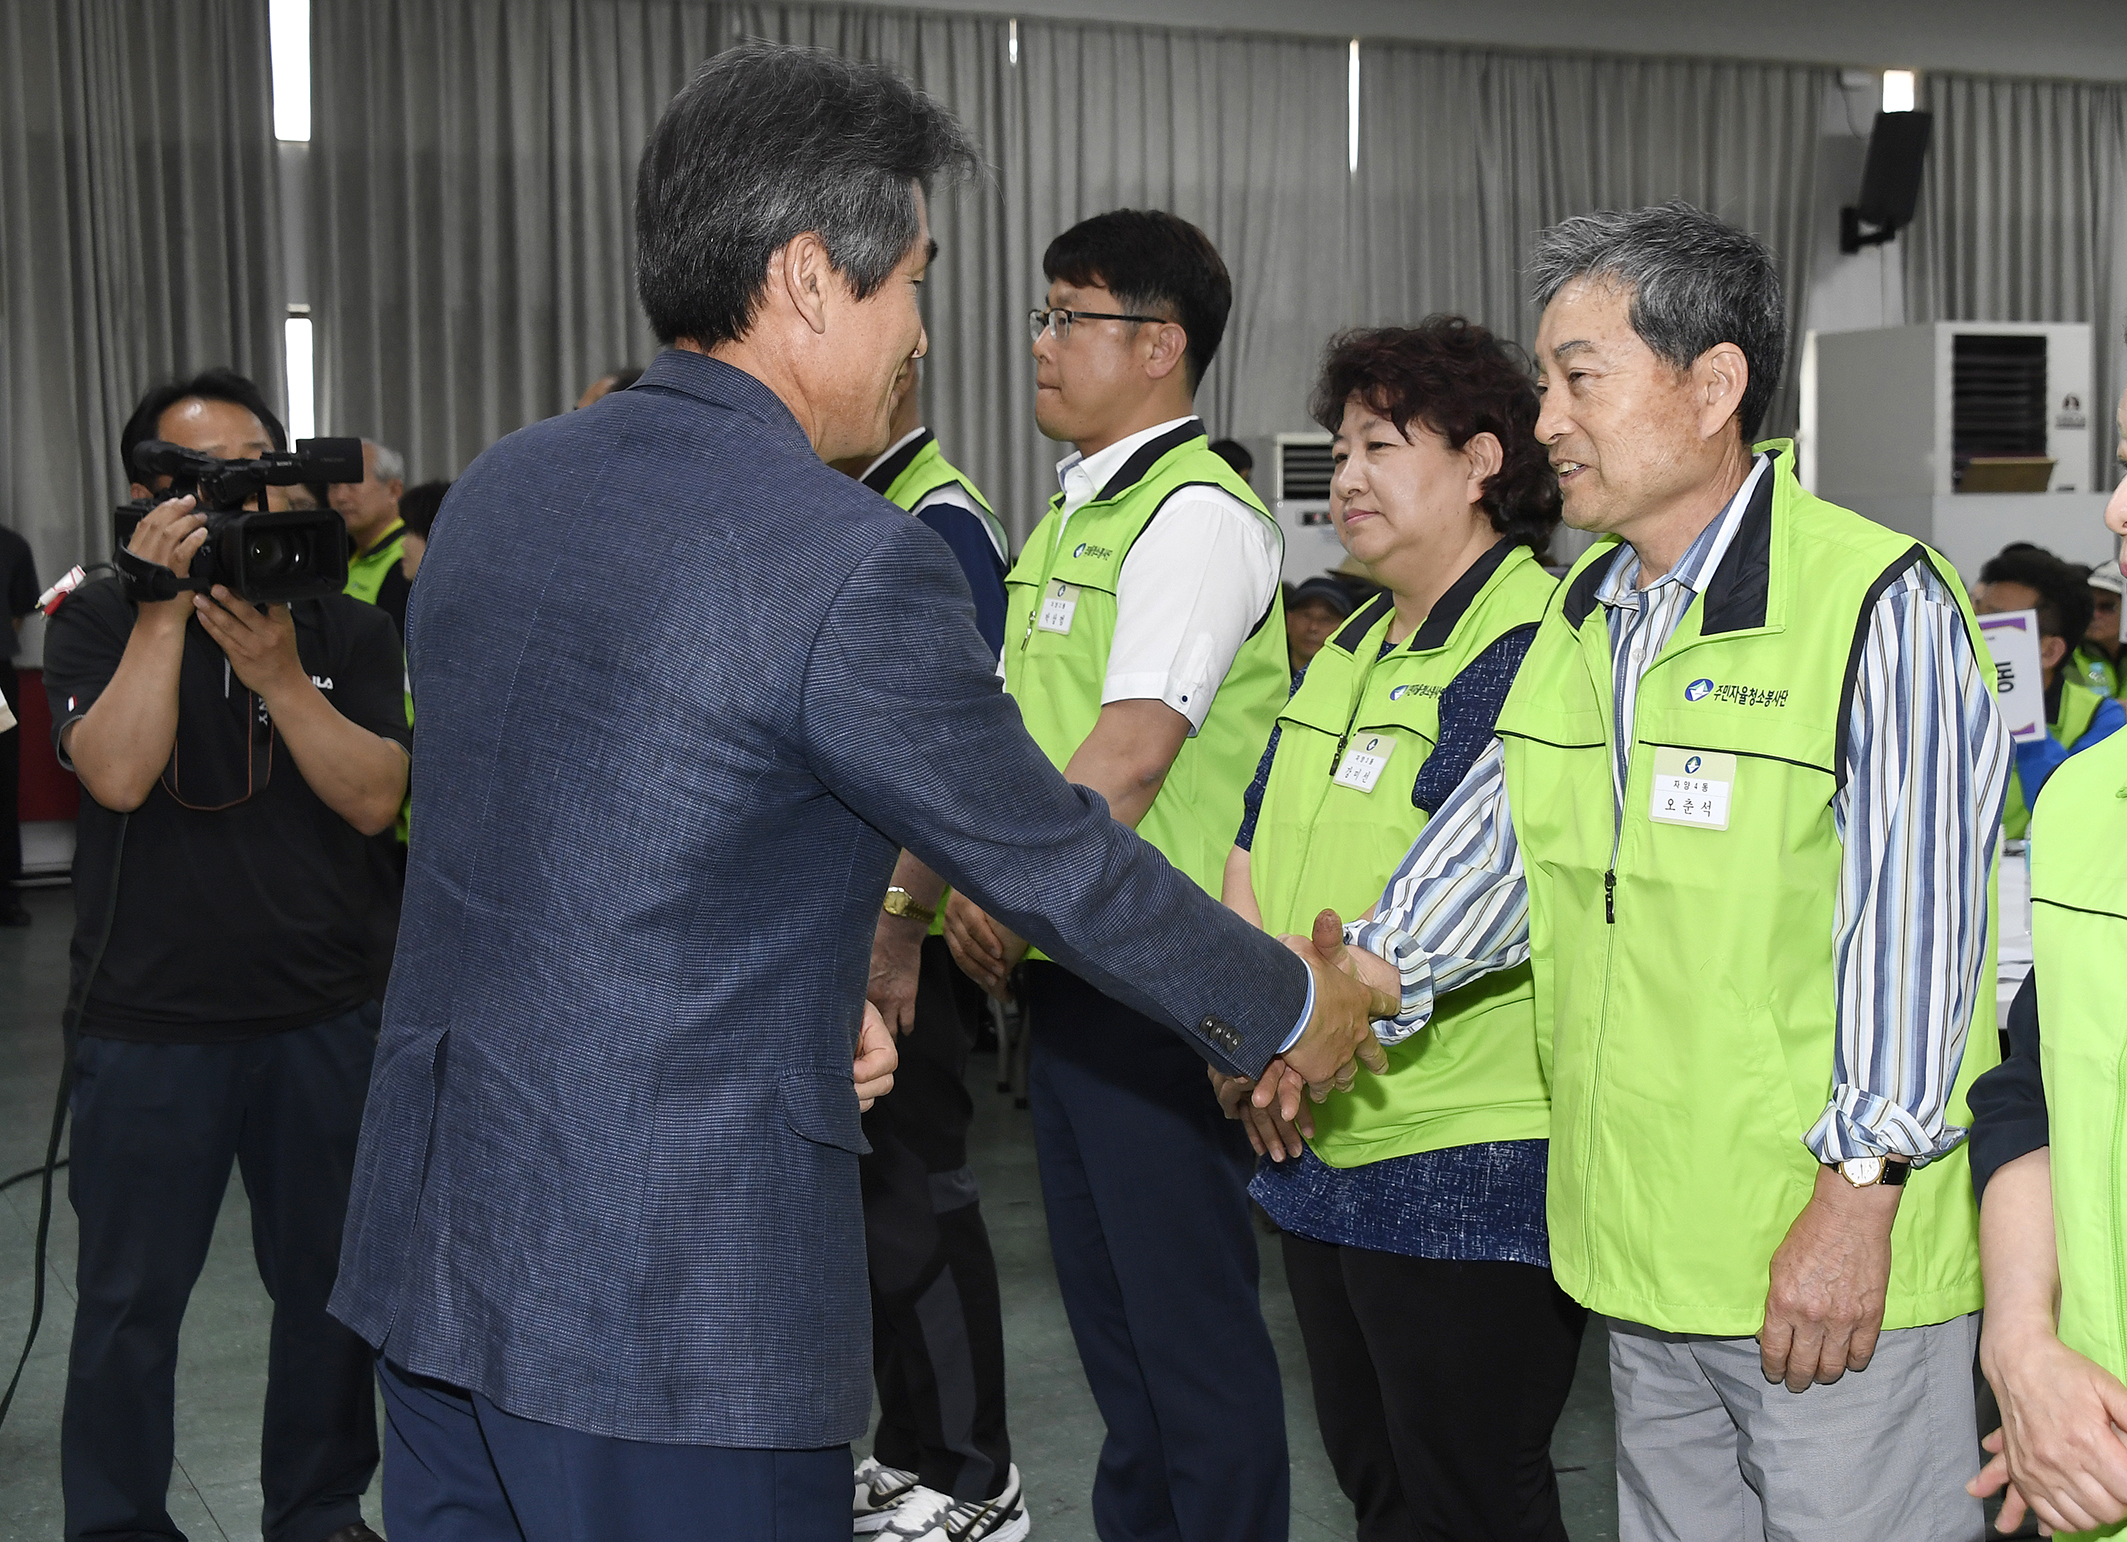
<point>1919,817</point>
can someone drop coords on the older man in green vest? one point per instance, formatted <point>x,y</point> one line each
<point>1741,817</point>
<point>370,510</point>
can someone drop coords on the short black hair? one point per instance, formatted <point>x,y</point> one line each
<point>2063,589</point>
<point>418,505</point>
<point>767,142</point>
<point>1235,454</point>
<point>213,385</point>
<point>1150,261</point>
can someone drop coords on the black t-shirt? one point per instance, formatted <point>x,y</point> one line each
<point>243,902</point>
<point>18,587</point>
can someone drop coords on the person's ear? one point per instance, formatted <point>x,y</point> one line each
<point>1170,345</point>
<point>398,489</point>
<point>139,492</point>
<point>1719,377</point>
<point>2051,650</point>
<point>1482,456</point>
<point>805,276</point>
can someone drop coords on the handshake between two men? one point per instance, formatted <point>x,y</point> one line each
<point>1351,990</point>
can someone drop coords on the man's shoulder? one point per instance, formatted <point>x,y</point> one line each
<point>100,605</point>
<point>353,627</point>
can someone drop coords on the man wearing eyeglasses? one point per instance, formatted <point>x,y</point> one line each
<point>1146,650</point>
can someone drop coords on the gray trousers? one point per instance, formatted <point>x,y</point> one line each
<point>1709,1451</point>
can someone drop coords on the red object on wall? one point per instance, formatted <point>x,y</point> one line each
<point>49,790</point>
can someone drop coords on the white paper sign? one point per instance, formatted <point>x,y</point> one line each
<point>2019,677</point>
<point>1692,787</point>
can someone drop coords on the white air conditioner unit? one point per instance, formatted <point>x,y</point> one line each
<point>1965,434</point>
<point>1300,472</point>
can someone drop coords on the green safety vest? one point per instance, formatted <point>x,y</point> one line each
<point>366,572</point>
<point>2101,674</point>
<point>2078,937</point>
<point>904,479</point>
<point>1472,1075</point>
<point>2079,705</point>
<point>1060,623</point>
<point>1684,973</point>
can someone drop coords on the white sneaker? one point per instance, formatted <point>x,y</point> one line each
<point>881,1490</point>
<point>929,1516</point>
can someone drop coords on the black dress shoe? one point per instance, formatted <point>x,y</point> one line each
<point>358,1532</point>
<point>12,913</point>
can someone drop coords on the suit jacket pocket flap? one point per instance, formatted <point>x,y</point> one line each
<point>822,1106</point>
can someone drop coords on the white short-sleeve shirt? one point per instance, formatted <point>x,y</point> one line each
<point>1191,590</point>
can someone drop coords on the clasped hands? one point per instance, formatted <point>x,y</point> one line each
<point>1352,989</point>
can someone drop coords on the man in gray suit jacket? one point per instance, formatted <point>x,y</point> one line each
<point>606,1230</point>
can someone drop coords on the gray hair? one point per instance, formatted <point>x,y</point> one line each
<point>767,142</point>
<point>390,464</point>
<point>1695,282</point>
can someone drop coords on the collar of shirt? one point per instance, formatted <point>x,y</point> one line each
<point>1083,476</point>
<point>1620,586</point>
<point>891,451</point>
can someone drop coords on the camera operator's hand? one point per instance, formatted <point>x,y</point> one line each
<point>168,535</point>
<point>260,646</point>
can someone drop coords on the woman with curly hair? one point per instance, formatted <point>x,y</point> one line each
<point>1413,1206</point>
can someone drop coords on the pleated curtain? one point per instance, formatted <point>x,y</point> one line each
<point>139,237</point>
<point>472,177</point>
<point>1465,154</point>
<point>2023,217</point>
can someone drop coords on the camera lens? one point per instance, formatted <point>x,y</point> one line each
<point>270,556</point>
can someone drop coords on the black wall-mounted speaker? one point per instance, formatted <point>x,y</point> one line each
<point>1890,179</point>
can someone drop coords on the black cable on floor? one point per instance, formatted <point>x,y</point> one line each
<point>28,1173</point>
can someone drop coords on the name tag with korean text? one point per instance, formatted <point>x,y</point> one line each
<point>1692,787</point>
<point>1364,760</point>
<point>1059,603</point>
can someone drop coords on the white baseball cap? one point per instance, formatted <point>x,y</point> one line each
<point>2106,575</point>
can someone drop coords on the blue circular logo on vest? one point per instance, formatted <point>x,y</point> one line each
<point>1691,766</point>
<point>1696,691</point>
<point>1397,693</point>
<point>1079,550</point>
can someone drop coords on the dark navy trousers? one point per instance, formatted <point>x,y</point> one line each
<point>1145,1183</point>
<point>156,1127</point>
<point>457,1468</point>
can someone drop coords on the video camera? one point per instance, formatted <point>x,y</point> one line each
<point>266,557</point>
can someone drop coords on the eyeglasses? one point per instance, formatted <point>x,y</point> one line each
<point>1057,321</point>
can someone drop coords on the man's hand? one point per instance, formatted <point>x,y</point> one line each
<point>2060,1449</point>
<point>1340,1031</point>
<point>987,951</point>
<point>169,535</point>
<point>1824,1307</point>
<point>1271,1135</point>
<point>896,960</point>
<point>873,1070</point>
<point>260,647</point>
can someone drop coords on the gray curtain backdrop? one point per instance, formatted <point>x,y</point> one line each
<point>1465,154</point>
<point>2023,217</point>
<point>473,164</point>
<point>139,237</point>
<point>472,178</point>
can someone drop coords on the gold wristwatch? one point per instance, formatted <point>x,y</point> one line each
<point>899,902</point>
<point>1867,1172</point>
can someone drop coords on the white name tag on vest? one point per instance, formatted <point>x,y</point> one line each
<point>1364,761</point>
<point>1059,603</point>
<point>1692,787</point>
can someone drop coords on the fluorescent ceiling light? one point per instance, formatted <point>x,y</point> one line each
<point>302,378</point>
<point>1352,110</point>
<point>1899,89</point>
<point>288,26</point>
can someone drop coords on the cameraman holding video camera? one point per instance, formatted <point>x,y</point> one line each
<point>236,759</point>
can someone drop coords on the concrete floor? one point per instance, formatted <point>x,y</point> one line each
<point>221,1367</point>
